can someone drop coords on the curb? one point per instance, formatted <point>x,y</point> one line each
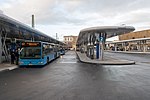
<point>5,70</point>
<point>110,63</point>
<point>107,62</point>
<point>9,69</point>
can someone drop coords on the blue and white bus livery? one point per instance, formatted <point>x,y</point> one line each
<point>36,53</point>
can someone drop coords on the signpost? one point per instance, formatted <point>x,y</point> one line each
<point>101,50</point>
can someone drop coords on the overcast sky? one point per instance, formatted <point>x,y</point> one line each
<point>68,17</point>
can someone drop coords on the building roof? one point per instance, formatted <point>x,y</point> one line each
<point>70,36</point>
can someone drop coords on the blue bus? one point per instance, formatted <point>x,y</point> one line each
<point>37,53</point>
<point>62,51</point>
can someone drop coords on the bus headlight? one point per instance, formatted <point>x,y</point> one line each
<point>40,62</point>
<point>20,62</point>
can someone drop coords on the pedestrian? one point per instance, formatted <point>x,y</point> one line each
<point>17,56</point>
<point>12,57</point>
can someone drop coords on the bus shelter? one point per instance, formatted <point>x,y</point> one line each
<point>92,40</point>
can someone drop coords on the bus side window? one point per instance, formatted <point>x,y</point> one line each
<point>43,51</point>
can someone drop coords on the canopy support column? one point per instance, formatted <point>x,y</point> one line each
<point>102,39</point>
<point>3,47</point>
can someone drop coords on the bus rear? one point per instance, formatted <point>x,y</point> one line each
<point>31,54</point>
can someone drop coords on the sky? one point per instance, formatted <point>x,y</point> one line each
<point>68,17</point>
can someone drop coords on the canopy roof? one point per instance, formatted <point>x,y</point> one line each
<point>109,30</point>
<point>14,23</point>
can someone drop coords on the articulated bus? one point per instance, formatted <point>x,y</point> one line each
<point>37,53</point>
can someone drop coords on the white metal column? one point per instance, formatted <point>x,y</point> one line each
<point>144,48</point>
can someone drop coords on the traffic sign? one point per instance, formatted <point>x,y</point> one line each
<point>101,39</point>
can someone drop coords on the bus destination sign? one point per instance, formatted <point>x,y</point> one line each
<point>31,44</point>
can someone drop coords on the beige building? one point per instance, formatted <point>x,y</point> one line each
<point>135,41</point>
<point>135,35</point>
<point>71,41</point>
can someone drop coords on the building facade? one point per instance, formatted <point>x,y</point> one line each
<point>135,35</point>
<point>71,41</point>
<point>133,41</point>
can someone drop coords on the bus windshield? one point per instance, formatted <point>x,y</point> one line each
<point>30,53</point>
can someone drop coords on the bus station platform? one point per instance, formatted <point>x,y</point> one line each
<point>107,60</point>
<point>7,67</point>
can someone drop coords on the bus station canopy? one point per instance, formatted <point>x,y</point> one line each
<point>18,30</point>
<point>109,30</point>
